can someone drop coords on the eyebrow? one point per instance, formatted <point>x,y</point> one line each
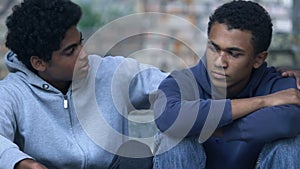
<point>227,49</point>
<point>72,45</point>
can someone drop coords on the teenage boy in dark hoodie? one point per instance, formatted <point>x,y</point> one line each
<point>230,100</point>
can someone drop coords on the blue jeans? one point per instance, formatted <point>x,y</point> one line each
<point>189,154</point>
<point>125,158</point>
<point>280,154</point>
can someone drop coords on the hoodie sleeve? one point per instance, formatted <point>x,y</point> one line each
<point>181,111</point>
<point>268,124</point>
<point>128,82</point>
<point>145,80</point>
<point>9,152</point>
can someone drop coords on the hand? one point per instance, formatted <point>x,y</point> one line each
<point>288,96</point>
<point>29,164</point>
<point>290,73</point>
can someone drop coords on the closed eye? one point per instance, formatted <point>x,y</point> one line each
<point>213,47</point>
<point>235,54</point>
<point>69,51</point>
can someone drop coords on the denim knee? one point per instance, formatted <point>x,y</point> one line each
<point>280,154</point>
<point>175,153</point>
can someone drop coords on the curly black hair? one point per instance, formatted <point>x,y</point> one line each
<point>37,27</point>
<point>246,15</point>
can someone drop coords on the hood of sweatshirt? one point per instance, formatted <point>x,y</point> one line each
<point>14,65</point>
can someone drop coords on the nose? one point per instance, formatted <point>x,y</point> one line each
<point>221,61</point>
<point>82,54</point>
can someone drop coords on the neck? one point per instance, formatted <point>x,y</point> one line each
<point>235,89</point>
<point>231,91</point>
<point>63,87</point>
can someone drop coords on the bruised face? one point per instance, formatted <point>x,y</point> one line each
<point>230,58</point>
<point>59,70</point>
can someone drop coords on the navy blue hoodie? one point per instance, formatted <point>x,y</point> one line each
<point>185,106</point>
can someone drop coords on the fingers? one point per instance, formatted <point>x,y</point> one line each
<point>298,83</point>
<point>285,72</point>
<point>289,73</point>
<point>281,69</point>
<point>296,74</point>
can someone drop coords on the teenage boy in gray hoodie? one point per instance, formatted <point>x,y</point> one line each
<point>49,101</point>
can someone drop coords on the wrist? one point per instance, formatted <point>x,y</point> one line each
<point>265,101</point>
<point>23,163</point>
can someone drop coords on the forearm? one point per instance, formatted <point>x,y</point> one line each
<point>265,125</point>
<point>243,107</point>
<point>10,154</point>
<point>186,118</point>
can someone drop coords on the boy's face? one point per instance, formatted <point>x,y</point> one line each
<point>59,70</point>
<point>230,58</point>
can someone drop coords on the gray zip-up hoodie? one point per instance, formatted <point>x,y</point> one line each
<point>81,129</point>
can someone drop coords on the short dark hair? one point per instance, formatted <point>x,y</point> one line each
<point>37,27</point>
<point>246,15</point>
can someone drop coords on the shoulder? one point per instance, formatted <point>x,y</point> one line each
<point>184,77</point>
<point>12,88</point>
<point>187,75</point>
<point>276,82</point>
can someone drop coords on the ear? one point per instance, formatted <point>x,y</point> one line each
<point>38,64</point>
<point>260,59</point>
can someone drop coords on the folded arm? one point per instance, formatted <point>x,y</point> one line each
<point>278,117</point>
<point>180,110</point>
<point>10,154</point>
<point>243,107</point>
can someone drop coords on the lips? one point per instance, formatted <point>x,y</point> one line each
<point>218,75</point>
<point>85,66</point>
<point>81,69</point>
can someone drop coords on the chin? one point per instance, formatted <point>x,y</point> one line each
<point>219,83</point>
<point>79,75</point>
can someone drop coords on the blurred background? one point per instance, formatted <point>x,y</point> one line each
<point>284,51</point>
